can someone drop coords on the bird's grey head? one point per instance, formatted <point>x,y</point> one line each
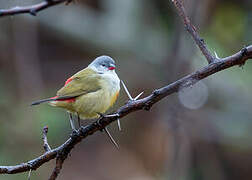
<point>103,64</point>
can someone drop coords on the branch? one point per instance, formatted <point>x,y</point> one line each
<point>192,30</point>
<point>62,152</point>
<point>32,9</point>
<point>145,103</point>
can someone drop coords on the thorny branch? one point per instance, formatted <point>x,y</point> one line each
<point>32,9</point>
<point>192,30</point>
<point>146,103</point>
<point>62,152</point>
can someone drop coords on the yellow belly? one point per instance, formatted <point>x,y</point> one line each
<point>87,106</point>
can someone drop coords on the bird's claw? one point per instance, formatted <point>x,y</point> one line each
<point>74,133</point>
<point>107,116</point>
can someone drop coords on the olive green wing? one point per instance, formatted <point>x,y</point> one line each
<point>81,83</point>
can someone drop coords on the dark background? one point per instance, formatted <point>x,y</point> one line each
<point>204,132</point>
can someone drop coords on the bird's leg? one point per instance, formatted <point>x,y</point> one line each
<point>79,120</point>
<point>71,122</point>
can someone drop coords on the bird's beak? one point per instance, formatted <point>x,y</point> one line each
<point>112,67</point>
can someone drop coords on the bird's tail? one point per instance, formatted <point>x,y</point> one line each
<point>43,101</point>
<point>55,98</point>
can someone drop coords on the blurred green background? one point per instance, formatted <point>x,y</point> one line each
<point>204,132</point>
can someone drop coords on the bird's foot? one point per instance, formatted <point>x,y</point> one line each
<point>79,120</point>
<point>107,116</point>
<point>99,119</point>
<point>74,133</point>
<point>72,122</point>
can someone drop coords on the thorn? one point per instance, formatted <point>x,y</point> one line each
<point>138,96</point>
<point>216,55</point>
<point>33,12</point>
<point>29,174</point>
<point>126,90</point>
<point>119,124</point>
<point>111,115</point>
<point>111,138</point>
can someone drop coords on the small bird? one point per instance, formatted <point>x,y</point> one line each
<point>90,92</point>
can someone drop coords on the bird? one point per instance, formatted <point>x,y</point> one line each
<point>90,92</point>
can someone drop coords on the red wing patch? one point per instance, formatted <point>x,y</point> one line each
<point>68,81</point>
<point>54,97</point>
<point>70,100</point>
<point>67,100</point>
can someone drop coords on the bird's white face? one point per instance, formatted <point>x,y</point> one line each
<point>103,65</point>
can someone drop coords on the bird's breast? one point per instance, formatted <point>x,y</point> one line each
<point>111,87</point>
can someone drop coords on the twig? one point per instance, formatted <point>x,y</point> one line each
<point>146,103</point>
<point>192,30</point>
<point>32,9</point>
<point>45,144</point>
<point>57,168</point>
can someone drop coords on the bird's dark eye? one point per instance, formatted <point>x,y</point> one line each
<point>103,65</point>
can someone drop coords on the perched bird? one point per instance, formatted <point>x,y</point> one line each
<point>90,92</point>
